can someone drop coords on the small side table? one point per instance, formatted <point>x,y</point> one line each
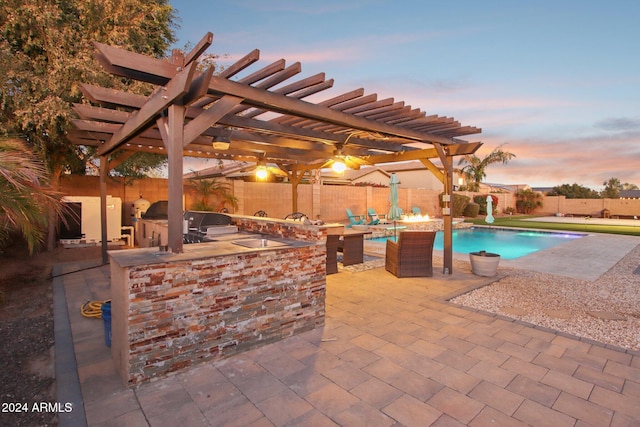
<point>332,253</point>
<point>353,247</point>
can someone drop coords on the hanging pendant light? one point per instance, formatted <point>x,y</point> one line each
<point>261,172</point>
<point>340,162</point>
<point>338,166</point>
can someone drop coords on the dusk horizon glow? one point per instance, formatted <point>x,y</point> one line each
<point>555,83</point>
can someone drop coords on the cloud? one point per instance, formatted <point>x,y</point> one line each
<point>557,135</point>
<point>588,161</point>
<point>619,124</point>
<point>359,52</point>
<point>298,7</point>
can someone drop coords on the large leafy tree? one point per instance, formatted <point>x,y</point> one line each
<point>46,51</point>
<point>612,188</point>
<point>574,191</point>
<point>475,168</point>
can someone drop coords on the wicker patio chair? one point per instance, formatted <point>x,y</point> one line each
<point>411,256</point>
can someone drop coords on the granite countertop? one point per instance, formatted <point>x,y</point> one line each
<point>223,245</point>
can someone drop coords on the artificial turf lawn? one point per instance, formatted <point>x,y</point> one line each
<point>588,228</point>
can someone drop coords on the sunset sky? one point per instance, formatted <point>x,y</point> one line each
<point>558,82</point>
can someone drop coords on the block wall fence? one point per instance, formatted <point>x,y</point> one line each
<point>326,202</point>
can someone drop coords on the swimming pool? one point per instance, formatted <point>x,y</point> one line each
<point>510,244</point>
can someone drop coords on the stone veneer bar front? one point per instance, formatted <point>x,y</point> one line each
<point>216,299</point>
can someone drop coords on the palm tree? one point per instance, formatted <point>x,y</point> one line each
<point>528,200</point>
<point>209,187</point>
<point>25,197</point>
<point>475,168</point>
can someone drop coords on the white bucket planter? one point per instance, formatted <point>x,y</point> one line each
<point>484,263</point>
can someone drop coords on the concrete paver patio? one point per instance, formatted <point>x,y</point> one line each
<point>393,352</point>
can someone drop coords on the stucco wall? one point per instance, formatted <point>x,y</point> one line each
<point>328,202</point>
<point>593,207</point>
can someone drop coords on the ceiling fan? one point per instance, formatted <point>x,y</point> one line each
<point>340,161</point>
<point>262,169</point>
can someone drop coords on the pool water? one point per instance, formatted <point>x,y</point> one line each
<point>509,244</point>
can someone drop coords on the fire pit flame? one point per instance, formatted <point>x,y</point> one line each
<point>415,218</point>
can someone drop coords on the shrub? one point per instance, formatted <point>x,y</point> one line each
<point>472,210</point>
<point>370,184</point>
<point>458,203</point>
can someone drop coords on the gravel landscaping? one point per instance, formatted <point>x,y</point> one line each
<point>606,310</point>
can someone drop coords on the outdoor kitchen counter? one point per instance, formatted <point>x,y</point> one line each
<point>223,245</point>
<point>172,311</point>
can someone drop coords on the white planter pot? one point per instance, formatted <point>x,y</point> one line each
<point>484,263</point>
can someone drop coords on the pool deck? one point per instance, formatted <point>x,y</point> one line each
<point>568,259</point>
<point>586,258</point>
<point>586,220</point>
<point>393,352</point>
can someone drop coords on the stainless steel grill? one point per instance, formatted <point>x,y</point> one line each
<point>198,225</point>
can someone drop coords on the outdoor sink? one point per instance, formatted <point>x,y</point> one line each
<point>259,243</point>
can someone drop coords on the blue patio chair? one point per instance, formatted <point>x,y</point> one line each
<point>416,210</point>
<point>354,219</point>
<point>374,218</point>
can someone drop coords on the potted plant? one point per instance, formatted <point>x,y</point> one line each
<point>484,263</point>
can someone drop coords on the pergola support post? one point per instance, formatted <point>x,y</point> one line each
<point>295,176</point>
<point>447,214</point>
<point>174,145</point>
<point>104,170</point>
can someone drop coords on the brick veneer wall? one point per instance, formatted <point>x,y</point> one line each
<point>183,313</point>
<point>279,228</point>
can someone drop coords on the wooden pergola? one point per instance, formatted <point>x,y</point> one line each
<point>260,117</point>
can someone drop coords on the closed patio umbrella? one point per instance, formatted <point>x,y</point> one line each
<point>394,212</point>
<point>489,218</point>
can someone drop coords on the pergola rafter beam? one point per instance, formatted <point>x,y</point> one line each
<point>402,118</point>
<point>301,87</point>
<point>258,98</point>
<point>315,150</point>
<point>263,73</point>
<point>311,90</point>
<point>345,106</point>
<point>209,117</point>
<point>199,49</point>
<point>240,65</point>
<point>113,97</point>
<point>160,100</point>
<point>392,108</point>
